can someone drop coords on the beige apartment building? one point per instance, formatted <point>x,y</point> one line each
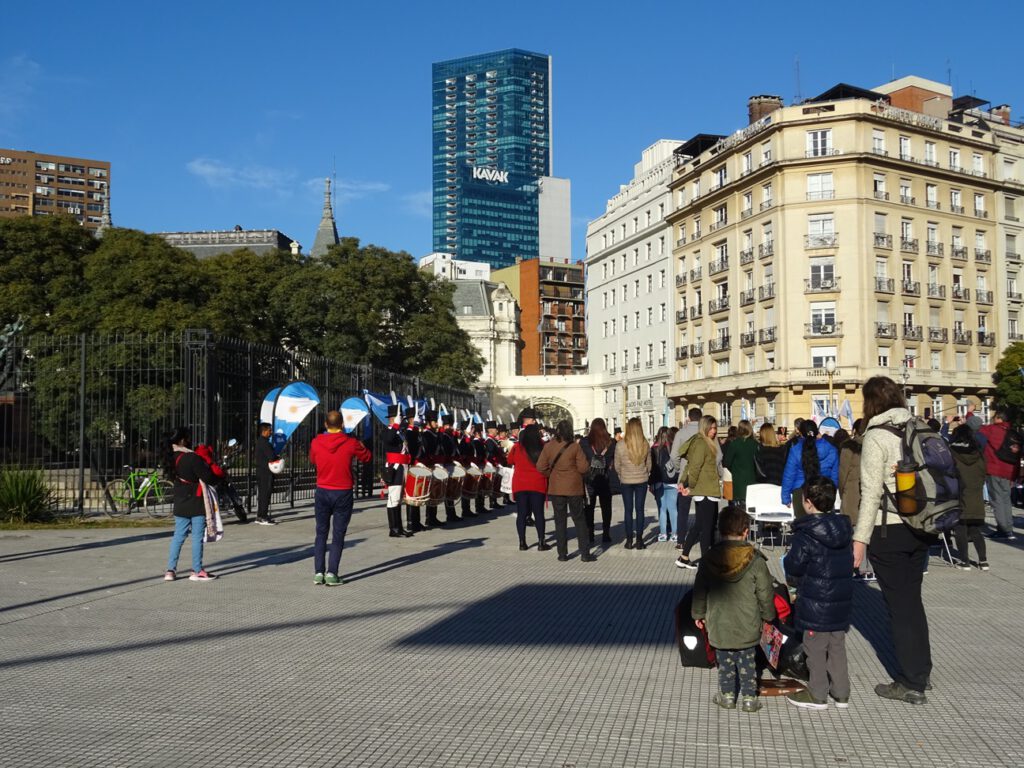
<point>860,232</point>
<point>39,184</point>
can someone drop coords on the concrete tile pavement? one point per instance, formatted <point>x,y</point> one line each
<point>451,648</point>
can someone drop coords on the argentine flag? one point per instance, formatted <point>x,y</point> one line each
<point>285,407</point>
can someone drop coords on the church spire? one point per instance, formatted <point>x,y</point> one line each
<point>327,232</point>
<point>105,222</point>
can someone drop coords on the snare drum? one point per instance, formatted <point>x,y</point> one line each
<point>471,484</point>
<point>438,484</point>
<point>487,482</point>
<point>417,486</point>
<point>453,490</point>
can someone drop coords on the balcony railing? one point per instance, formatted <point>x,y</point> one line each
<point>986,339</point>
<point>936,291</point>
<point>718,305</point>
<point>636,366</point>
<point>910,288</point>
<point>746,213</point>
<point>748,339</point>
<point>1015,336</point>
<point>766,204</point>
<point>719,344</point>
<point>825,194</point>
<point>820,284</point>
<point>1013,295</point>
<point>982,296</point>
<point>956,208</point>
<point>983,255</point>
<point>885,330</point>
<point>764,250</point>
<point>959,293</point>
<point>909,244</point>
<point>908,199</point>
<point>746,256</point>
<point>681,241</point>
<point>766,335</point>
<point>823,329</point>
<point>766,292</point>
<point>913,333</point>
<point>718,265</point>
<point>681,316</point>
<point>649,364</point>
<point>959,253</point>
<point>981,213</point>
<point>961,337</point>
<point>696,311</point>
<point>933,248</point>
<point>938,335</point>
<point>933,204</point>
<point>695,274</point>
<point>717,225</point>
<point>681,279</point>
<point>662,361</point>
<point>821,241</point>
<point>823,152</point>
<point>1013,256</point>
<point>881,195</point>
<point>746,297</point>
<point>883,240</point>
<point>681,353</point>
<point>885,285</point>
<point>697,349</point>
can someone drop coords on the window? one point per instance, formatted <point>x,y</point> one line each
<point>636,288</point>
<point>636,320</point>
<point>930,156</point>
<point>823,273</point>
<point>721,176</point>
<point>766,194</point>
<point>979,203</point>
<point>661,245</point>
<point>722,367</point>
<point>664,351</point>
<point>935,358</point>
<point>931,195</point>
<point>725,413</point>
<point>879,185</point>
<point>604,367</point>
<point>748,202</point>
<point>650,356</point>
<point>961,361</point>
<point>636,256</point>
<point>766,153</point>
<point>954,159</point>
<point>906,196</point>
<point>906,229</point>
<point>819,356</point>
<point>636,224</point>
<point>881,227</point>
<point>663,312</point>
<point>819,186</point>
<point>819,143</point>
<point>905,148</point>
<point>650,316</point>
<point>820,230</point>
<point>749,363</point>
<point>650,283</point>
<point>747,162</point>
<point>604,329</point>
<point>823,316</point>
<point>883,357</point>
<point>978,164</point>
<point>661,278</point>
<point>721,215</point>
<point>878,141</point>
<point>983,363</point>
<point>604,266</point>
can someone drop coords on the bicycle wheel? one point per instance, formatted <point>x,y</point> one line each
<point>117,494</point>
<point>159,498</point>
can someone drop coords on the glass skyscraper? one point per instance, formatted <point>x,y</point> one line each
<point>491,146</point>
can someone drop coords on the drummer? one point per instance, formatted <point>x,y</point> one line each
<point>429,457</point>
<point>495,457</point>
<point>480,459</point>
<point>396,458</point>
<point>466,458</point>
<point>447,449</point>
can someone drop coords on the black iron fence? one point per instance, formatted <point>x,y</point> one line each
<point>85,408</point>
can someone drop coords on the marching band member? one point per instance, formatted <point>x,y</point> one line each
<point>467,457</point>
<point>412,441</point>
<point>428,456</point>
<point>496,457</point>
<point>396,458</point>
<point>447,452</point>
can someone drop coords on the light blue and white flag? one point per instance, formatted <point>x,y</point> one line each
<point>378,406</point>
<point>846,412</point>
<point>285,407</point>
<point>355,412</point>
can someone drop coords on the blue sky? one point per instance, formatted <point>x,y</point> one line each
<point>222,113</point>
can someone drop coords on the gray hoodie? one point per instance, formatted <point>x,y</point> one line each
<point>675,462</point>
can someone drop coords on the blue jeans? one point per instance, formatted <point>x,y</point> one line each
<point>667,508</point>
<point>633,495</point>
<point>330,506</point>
<point>182,525</point>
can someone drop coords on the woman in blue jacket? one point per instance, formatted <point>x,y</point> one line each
<point>809,457</point>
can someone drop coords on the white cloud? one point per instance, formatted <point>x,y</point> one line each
<point>420,204</point>
<point>346,190</point>
<point>18,78</point>
<point>221,175</point>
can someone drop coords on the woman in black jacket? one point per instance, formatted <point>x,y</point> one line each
<point>970,465</point>
<point>599,485</point>
<point>186,469</point>
<point>771,457</point>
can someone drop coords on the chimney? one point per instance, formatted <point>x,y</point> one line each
<point>296,248</point>
<point>1002,113</point>
<point>759,106</point>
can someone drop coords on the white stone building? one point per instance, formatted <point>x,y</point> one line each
<point>447,267</point>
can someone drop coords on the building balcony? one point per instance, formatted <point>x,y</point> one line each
<point>636,366</point>
<point>746,213</point>
<point>682,353</point>
<point>910,288</point>
<point>662,362</point>
<point>696,350</point>
<point>961,337</point>
<point>938,335</point>
<point>720,304</point>
<point>907,157</point>
<point>879,195</point>
<point>1013,257</point>
<point>765,250</point>
<point>681,316</point>
<point>983,297</point>
<point>648,365</point>
<point>821,241</point>
<point>748,339</point>
<point>821,284</point>
<point>1015,336</point>
<point>681,279</point>
<point>823,330</point>
<point>980,213</point>
<point>879,151</point>
<point>823,152</point>
<point>959,253</point>
<point>883,240</point>
<point>766,335</point>
<point>746,297</point>
<point>956,209</point>
<point>986,339</point>
<point>681,242</point>
<point>719,344</point>
<point>959,293</point>
<point>695,274</point>
<point>885,285</point>
<point>936,291</point>
<point>718,265</point>
<point>766,292</point>
<point>696,312</point>
<point>885,330</point>
<point>908,199</point>
<point>746,256</point>
<point>933,204</point>
<point>765,205</point>
<point>913,333</point>
<point>909,244</point>
<point>1014,295</point>
<point>983,255</point>
<point>933,248</point>
<point>825,194</point>
<point>717,225</point>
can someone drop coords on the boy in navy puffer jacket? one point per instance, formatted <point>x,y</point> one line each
<point>820,563</point>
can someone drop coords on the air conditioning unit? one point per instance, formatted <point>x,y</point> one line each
<point>825,329</point>
<point>825,284</point>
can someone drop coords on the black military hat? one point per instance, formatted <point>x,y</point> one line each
<point>448,419</point>
<point>502,427</point>
<point>528,413</point>
<point>395,409</point>
<point>430,416</point>
<point>490,425</point>
<point>618,431</point>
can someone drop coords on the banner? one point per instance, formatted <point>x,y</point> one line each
<point>378,406</point>
<point>284,408</point>
<point>355,413</point>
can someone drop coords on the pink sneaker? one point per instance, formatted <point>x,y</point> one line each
<point>170,576</point>
<point>201,576</point>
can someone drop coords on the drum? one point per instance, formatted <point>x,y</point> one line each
<point>453,490</point>
<point>506,479</point>
<point>471,483</point>
<point>487,483</point>
<point>438,484</point>
<point>417,485</point>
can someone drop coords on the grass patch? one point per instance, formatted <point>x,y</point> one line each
<point>70,522</point>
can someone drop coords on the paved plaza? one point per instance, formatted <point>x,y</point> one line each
<point>451,648</point>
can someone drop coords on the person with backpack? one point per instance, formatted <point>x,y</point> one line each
<point>529,487</point>
<point>599,450</point>
<point>563,463</point>
<point>970,466</point>
<point>1002,464</point>
<point>899,552</point>
<point>664,480</point>
<point>633,467</point>
<point>188,471</point>
<point>809,457</point>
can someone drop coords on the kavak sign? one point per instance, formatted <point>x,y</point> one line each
<point>490,174</point>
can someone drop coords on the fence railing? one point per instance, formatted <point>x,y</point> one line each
<point>82,408</point>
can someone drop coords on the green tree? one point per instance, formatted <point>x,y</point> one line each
<point>1009,381</point>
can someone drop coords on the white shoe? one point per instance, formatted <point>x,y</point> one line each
<point>662,537</point>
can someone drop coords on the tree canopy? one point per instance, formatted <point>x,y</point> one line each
<point>359,304</point>
<point>1009,381</point>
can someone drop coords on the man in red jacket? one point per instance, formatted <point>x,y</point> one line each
<point>1000,475</point>
<point>332,453</point>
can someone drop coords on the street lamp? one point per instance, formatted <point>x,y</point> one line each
<point>830,370</point>
<point>905,375</point>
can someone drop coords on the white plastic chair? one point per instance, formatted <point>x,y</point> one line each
<point>765,507</point>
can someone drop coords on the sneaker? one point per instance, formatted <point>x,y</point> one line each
<point>804,700</point>
<point>201,576</point>
<point>841,703</point>
<point>685,562</point>
<point>870,577</point>
<point>170,576</point>
<point>899,692</point>
<point>662,537</point>
<point>963,565</point>
<point>673,538</point>
<point>997,534</point>
<point>265,521</point>
<point>1011,536</point>
<point>318,579</point>
<point>752,704</point>
<point>725,700</point>
<point>983,565</point>
<point>332,581</point>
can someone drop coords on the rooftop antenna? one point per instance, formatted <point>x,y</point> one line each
<point>949,74</point>
<point>799,95</point>
<point>892,72</point>
<point>334,181</point>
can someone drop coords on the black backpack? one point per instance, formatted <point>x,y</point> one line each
<point>598,467</point>
<point>1009,451</point>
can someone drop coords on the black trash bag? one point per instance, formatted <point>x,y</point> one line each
<point>694,650</point>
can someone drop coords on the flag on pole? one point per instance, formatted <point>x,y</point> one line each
<point>846,412</point>
<point>378,406</point>
<point>285,407</point>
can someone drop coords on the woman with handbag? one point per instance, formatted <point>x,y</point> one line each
<point>633,466</point>
<point>187,470</point>
<point>529,486</point>
<point>600,477</point>
<point>703,482</point>
<point>563,463</point>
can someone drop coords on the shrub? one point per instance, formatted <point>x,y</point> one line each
<point>25,497</point>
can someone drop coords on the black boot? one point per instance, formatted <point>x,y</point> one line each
<point>629,541</point>
<point>449,512</point>
<point>394,523</point>
<point>640,541</point>
<point>523,546</point>
<point>432,521</point>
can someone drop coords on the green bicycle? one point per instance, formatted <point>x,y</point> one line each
<point>141,489</point>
